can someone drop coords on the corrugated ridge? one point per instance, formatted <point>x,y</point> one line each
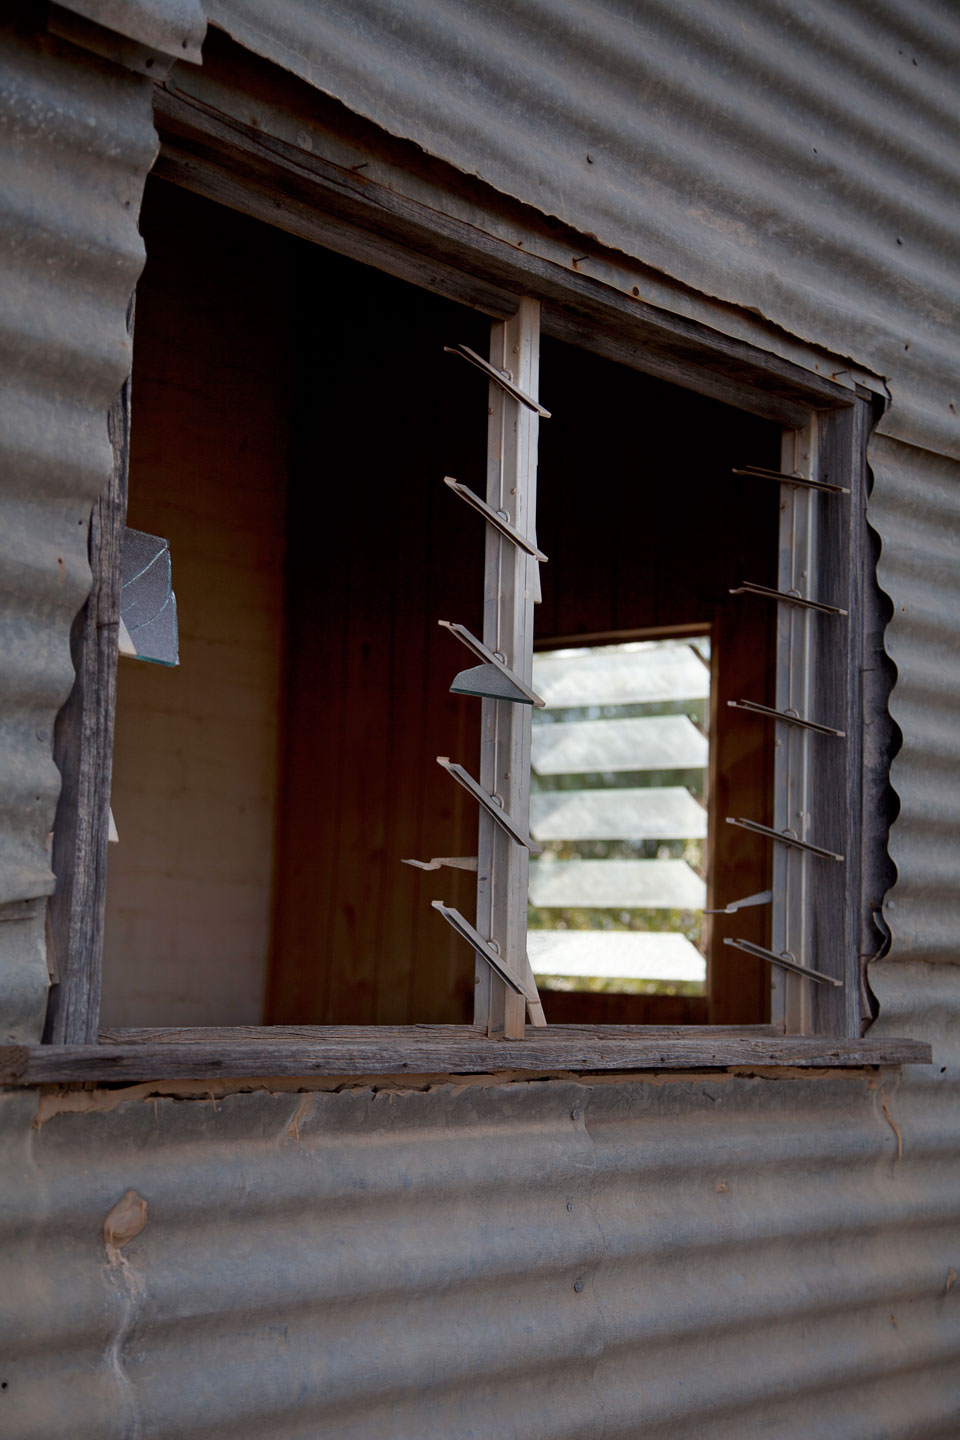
<point>171,27</point>
<point>77,143</point>
<point>555,1260</point>
<point>790,160</point>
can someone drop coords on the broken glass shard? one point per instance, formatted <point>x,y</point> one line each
<point>148,606</point>
<point>490,682</point>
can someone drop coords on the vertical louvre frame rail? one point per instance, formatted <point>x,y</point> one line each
<point>816,771</point>
<point>792,870</point>
<point>511,588</point>
<point>791,995</point>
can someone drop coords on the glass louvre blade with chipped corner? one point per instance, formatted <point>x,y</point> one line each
<point>148,606</point>
<point>618,789</point>
<point>489,681</point>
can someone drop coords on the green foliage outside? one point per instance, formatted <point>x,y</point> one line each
<point>597,985</point>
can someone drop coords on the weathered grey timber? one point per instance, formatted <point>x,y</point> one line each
<point>84,754</point>
<point>372,1052</point>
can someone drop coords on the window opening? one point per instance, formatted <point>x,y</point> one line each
<point>648,532</point>
<point>267,790</point>
<point>620,756</point>
<point>669,546</point>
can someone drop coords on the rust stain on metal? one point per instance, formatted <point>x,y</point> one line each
<point>304,1111</point>
<point>892,1123</point>
<point>123,1224</point>
<point>60,1100</point>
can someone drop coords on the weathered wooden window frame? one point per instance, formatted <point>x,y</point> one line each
<point>217,155</point>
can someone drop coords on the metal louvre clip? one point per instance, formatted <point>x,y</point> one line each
<point>487,802</point>
<point>757,472</point>
<point>785,963</point>
<point>486,952</point>
<point>750,588</point>
<point>482,653</point>
<point>491,516</point>
<point>755,709</point>
<point>453,862</point>
<point>785,839</point>
<point>763,898</point>
<point>498,377</point>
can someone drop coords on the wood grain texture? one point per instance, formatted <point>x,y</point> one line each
<point>374,1053</point>
<point>741,783</point>
<point>83,750</point>
<point>367,701</point>
<point>397,1034</point>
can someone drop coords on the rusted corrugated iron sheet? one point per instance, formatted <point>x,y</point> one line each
<point>77,143</point>
<point>715,1256</point>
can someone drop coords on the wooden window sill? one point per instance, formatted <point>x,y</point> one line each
<point>133,1056</point>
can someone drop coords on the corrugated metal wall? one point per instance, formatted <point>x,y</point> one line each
<point>794,159</point>
<point>78,140</point>
<point>709,1257</point>
<point>916,509</point>
<point>758,1256</point>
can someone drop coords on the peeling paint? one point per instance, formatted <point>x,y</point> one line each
<point>123,1224</point>
<point>885,1107</point>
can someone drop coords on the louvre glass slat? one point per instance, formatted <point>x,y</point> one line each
<point>655,742</point>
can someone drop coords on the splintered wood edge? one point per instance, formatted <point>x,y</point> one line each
<point>446,1054</point>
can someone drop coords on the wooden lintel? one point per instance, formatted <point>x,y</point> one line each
<point>216,154</point>
<point>453,1050</point>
